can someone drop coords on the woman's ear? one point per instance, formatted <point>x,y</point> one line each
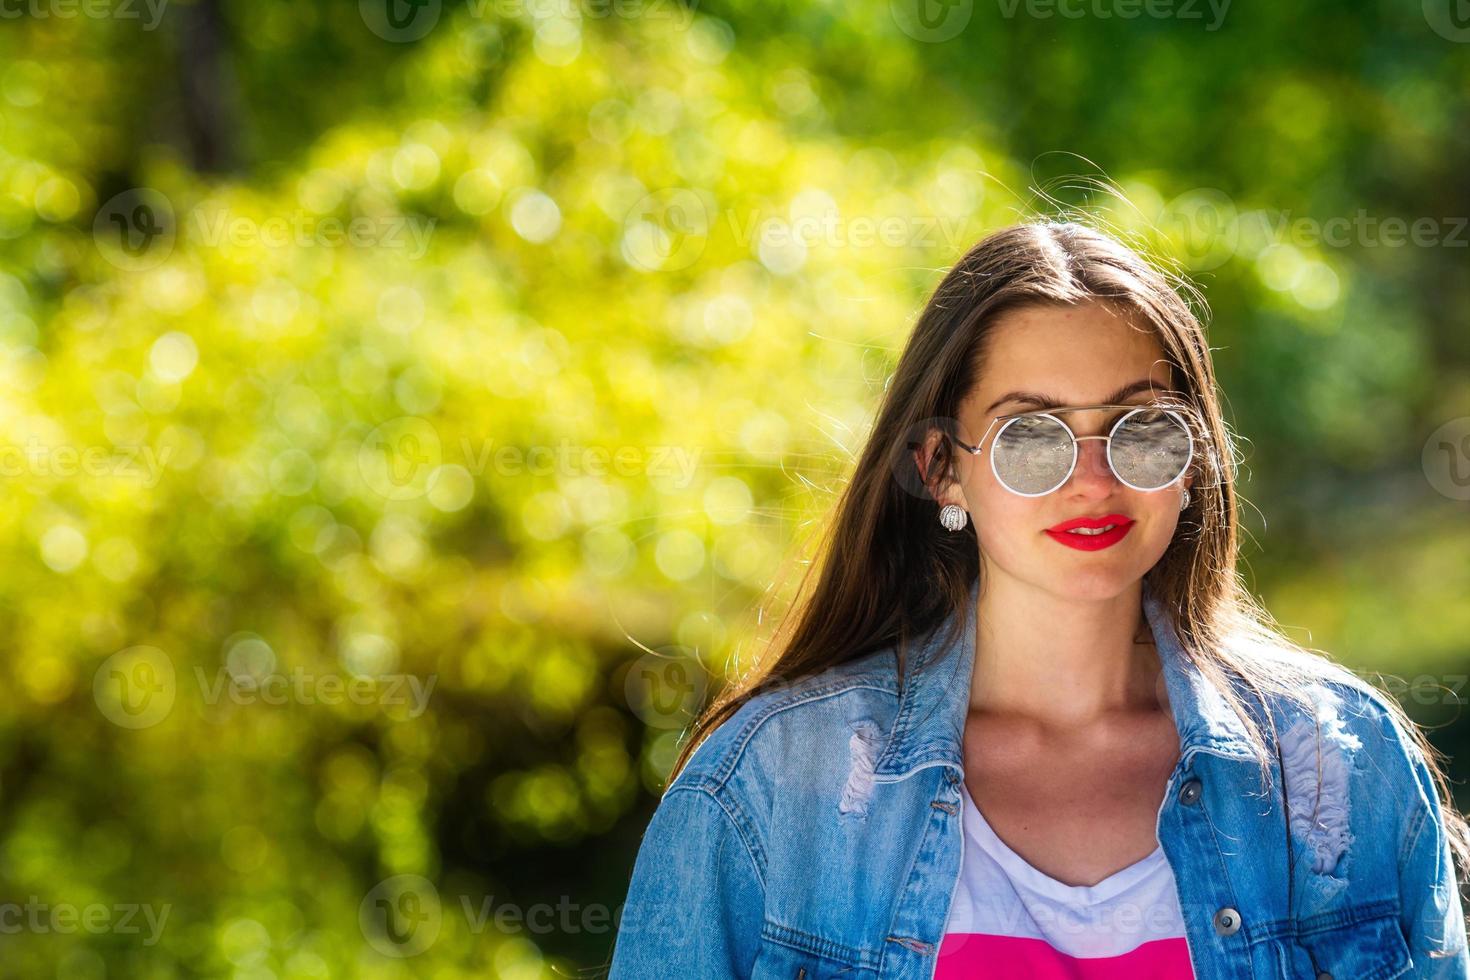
<point>924,457</point>
<point>940,487</point>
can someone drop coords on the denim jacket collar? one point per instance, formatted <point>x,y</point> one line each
<point>929,727</point>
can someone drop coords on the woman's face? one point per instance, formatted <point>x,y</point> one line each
<point>1075,356</point>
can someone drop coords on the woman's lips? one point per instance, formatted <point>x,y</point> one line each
<point>1092,542</point>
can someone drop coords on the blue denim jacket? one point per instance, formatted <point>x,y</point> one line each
<point>817,833</point>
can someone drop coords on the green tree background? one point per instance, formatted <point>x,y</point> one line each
<point>383,385</point>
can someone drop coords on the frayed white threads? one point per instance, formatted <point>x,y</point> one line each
<point>1318,771</point>
<point>866,741</point>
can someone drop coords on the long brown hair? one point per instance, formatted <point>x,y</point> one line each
<point>886,572</point>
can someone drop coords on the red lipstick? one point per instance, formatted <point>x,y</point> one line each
<point>1063,533</point>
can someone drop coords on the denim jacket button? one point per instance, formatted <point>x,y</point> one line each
<point>1227,921</point>
<point>1324,975</point>
<point>1189,792</point>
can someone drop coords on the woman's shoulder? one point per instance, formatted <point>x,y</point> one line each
<point>1336,715</point>
<point>794,718</point>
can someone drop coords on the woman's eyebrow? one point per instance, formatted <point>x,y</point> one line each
<point>1046,401</point>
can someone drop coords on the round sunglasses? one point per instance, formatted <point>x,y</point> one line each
<point>1034,453</point>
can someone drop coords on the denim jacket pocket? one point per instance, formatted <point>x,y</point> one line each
<point>790,954</point>
<point>1364,942</point>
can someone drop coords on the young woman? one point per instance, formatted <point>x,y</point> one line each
<point>1028,723</point>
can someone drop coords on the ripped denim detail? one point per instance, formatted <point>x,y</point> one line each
<point>1318,765</point>
<point>863,746</point>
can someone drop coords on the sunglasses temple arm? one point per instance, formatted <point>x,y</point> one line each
<point>975,449</point>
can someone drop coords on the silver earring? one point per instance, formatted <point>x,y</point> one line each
<point>953,517</point>
<point>1184,500</point>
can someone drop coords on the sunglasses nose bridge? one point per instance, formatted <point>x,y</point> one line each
<point>1099,461</point>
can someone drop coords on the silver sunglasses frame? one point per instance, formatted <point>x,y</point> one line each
<point>1052,414</point>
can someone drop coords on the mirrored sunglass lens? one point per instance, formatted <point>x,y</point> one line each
<point>1033,454</point>
<point>1150,449</point>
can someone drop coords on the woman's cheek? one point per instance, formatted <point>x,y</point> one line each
<point>1003,526</point>
<point>1158,531</point>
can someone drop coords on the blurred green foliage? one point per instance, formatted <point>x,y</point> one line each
<point>378,398</point>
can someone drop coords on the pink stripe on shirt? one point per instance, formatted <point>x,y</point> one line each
<point>974,956</point>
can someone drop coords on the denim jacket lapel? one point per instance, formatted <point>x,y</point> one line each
<point>928,729</point>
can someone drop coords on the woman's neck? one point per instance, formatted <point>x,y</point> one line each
<point>1060,659</point>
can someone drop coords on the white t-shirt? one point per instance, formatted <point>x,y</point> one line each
<point>1009,921</point>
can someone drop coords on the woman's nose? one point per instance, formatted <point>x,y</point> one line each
<point>1092,456</point>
